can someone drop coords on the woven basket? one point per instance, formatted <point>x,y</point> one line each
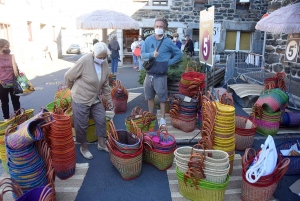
<point>243,142</point>
<point>161,160</point>
<point>207,191</point>
<point>128,165</point>
<point>120,105</point>
<point>60,103</point>
<point>186,126</point>
<point>294,166</point>
<point>91,131</point>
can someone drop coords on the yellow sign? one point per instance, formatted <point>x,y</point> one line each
<point>206,35</point>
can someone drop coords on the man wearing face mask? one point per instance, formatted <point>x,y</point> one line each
<point>87,79</point>
<point>7,73</point>
<point>156,77</point>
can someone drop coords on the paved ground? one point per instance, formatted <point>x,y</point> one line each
<point>102,181</point>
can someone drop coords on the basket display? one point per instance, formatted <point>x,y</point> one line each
<point>146,121</point>
<point>161,160</point>
<point>290,119</point>
<point>126,151</point>
<point>119,97</point>
<point>61,103</point>
<point>294,166</point>
<point>245,130</point>
<point>203,190</point>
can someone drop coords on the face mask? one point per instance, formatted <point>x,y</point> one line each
<point>6,51</point>
<point>140,39</point>
<point>174,39</point>
<point>159,31</point>
<point>98,61</point>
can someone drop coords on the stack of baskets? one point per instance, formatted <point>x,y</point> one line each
<point>62,146</point>
<point>290,119</point>
<point>265,186</point>
<point>112,78</point>
<point>144,120</point>
<point>191,81</point>
<point>245,130</point>
<point>212,165</point>
<point>126,151</point>
<point>294,166</point>
<point>184,112</point>
<point>159,147</point>
<point>119,97</point>
<point>267,109</point>
<point>277,80</point>
<point>24,163</point>
<point>224,130</point>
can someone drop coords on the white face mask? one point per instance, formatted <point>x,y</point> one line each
<point>98,61</point>
<point>174,39</point>
<point>159,31</point>
<point>140,39</point>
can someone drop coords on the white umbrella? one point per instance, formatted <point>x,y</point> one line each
<point>283,20</point>
<point>105,19</point>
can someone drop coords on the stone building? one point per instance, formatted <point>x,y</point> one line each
<point>276,45</point>
<point>237,18</point>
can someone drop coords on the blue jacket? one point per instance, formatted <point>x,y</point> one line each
<point>163,60</point>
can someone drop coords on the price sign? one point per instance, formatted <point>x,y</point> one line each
<point>292,49</point>
<point>206,35</point>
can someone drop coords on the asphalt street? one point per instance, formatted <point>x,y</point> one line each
<point>102,181</point>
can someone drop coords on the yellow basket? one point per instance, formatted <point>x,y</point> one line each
<point>91,131</point>
<point>222,108</point>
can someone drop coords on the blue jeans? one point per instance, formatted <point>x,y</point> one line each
<point>140,63</point>
<point>135,60</point>
<point>114,65</point>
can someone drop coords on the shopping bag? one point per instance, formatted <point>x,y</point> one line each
<point>137,52</point>
<point>22,86</point>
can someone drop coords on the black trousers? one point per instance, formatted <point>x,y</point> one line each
<point>5,100</point>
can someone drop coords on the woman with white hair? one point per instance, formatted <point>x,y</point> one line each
<point>88,80</point>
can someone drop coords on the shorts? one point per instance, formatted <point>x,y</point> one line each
<point>156,85</point>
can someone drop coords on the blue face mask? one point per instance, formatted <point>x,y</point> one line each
<point>98,61</point>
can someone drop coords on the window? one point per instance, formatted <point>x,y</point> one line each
<point>29,31</point>
<point>142,1</point>
<point>237,40</point>
<point>242,4</point>
<point>5,31</point>
<point>159,2</point>
<point>200,3</point>
<point>2,1</point>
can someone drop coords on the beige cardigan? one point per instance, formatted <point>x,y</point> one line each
<point>83,81</point>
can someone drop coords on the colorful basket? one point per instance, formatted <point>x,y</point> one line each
<point>207,191</point>
<point>161,160</point>
<point>62,103</point>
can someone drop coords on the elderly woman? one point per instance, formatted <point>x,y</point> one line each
<point>88,80</point>
<point>7,72</point>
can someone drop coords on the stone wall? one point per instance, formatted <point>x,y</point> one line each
<point>276,45</point>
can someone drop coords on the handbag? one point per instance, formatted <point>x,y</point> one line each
<point>148,64</point>
<point>137,52</point>
<point>17,87</point>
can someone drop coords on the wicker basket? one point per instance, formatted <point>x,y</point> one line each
<point>243,142</point>
<point>207,191</point>
<point>161,160</point>
<point>185,126</point>
<point>91,131</point>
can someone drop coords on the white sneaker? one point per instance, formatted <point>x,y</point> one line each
<point>162,122</point>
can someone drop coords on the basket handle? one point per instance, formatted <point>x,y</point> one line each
<point>198,145</point>
<point>227,99</point>
<point>248,155</point>
<point>113,130</point>
<point>206,142</point>
<point>47,193</point>
<point>10,185</point>
<point>137,111</point>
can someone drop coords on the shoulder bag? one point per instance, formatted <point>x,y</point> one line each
<point>148,64</point>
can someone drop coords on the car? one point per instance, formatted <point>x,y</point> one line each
<point>73,49</point>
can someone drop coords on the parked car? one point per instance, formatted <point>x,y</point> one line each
<point>73,49</point>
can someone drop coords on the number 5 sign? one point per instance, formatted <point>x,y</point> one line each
<point>292,49</point>
<point>206,35</point>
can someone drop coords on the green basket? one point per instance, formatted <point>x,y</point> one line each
<point>160,160</point>
<point>50,106</point>
<point>207,191</point>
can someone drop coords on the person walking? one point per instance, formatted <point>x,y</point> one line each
<point>87,79</point>
<point>8,69</point>
<point>140,45</point>
<point>114,47</point>
<point>134,57</point>
<point>189,46</point>
<point>176,40</point>
<point>156,77</point>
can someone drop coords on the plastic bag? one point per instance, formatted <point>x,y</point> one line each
<point>25,85</point>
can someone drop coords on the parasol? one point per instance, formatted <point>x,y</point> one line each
<point>283,20</point>
<point>105,19</point>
